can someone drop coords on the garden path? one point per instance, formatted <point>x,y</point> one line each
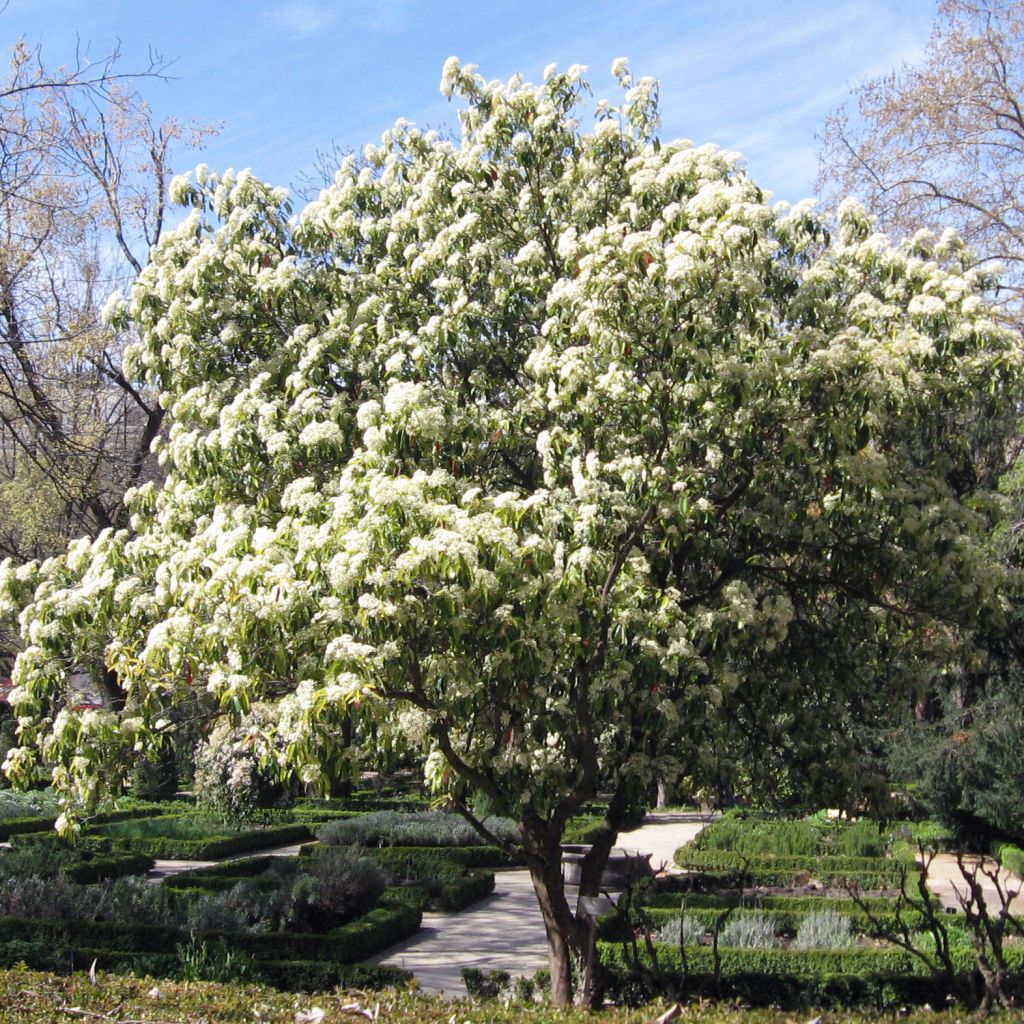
<point>505,931</point>
<point>946,880</point>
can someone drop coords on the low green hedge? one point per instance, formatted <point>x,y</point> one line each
<point>218,877</point>
<point>285,975</point>
<point>863,872</point>
<point>361,803</point>
<point>213,848</point>
<point>10,827</point>
<point>98,869</point>
<point>324,975</point>
<point>395,918</point>
<point>865,976</point>
<point>444,874</point>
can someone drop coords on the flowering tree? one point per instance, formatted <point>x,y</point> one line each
<point>561,453</point>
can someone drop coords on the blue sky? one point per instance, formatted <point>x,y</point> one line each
<point>288,77</point>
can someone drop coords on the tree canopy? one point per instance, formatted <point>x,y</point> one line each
<point>559,453</point>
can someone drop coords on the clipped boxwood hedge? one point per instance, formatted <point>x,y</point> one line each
<point>395,918</point>
<point>212,848</point>
<point>863,872</point>
<point>218,877</point>
<point>285,975</point>
<point>863,976</point>
<point>10,827</point>
<point>98,869</point>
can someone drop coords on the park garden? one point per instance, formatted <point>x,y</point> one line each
<point>555,467</point>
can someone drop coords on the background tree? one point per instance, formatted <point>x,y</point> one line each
<point>83,179</point>
<point>560,453</point>
<point>941,144</point>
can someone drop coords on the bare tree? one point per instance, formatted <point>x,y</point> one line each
<point>942,143</point>
<point>83,180</point>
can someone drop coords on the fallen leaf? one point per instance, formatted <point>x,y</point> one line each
<point>311,1016</point>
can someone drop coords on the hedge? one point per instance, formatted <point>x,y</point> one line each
<point>285,975</point>
<point>98,869</point>
<point>213,848</point>
<point>324,975</point>
<point>454,886</point>
<point>863,976</point>
<point>218,877</point>
<point>395,918</point>
<point>26,826</point>
<point>863,872</point>
<point>467,856</point>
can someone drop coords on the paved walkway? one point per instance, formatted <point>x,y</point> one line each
<point>946,880</point>
<point>165,868</point>
<point>505,931</point>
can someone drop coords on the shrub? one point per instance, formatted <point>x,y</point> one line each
<point>859,839</point>
<point>485,984</point>
<point>336,887</point>
<point>823,930</point>
<point>424,828</point>
<point>224,845</point>
<point>203,961</point>
<point>761,838</point>
<point>33,803</point>
<point>229,777</point>
<point>692,929</point>
<point>748,931</point>
<point>1011,857</point>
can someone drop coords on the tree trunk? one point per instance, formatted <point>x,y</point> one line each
<point>566,934</point>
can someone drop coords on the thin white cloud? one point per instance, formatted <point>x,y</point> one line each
<point>303,18</point>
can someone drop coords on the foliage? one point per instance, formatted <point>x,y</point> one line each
<point>558,455</point>
<point>203,961</point>
<point>823,929</point>
<point>940,143</point>
<point>748,931</point>
<point>32,803</point>
<point>485,984</point>
<point>425,828</point>
<point>969,763</point>
<point>211,842</point>
<point>334,888</point>
<point>769,869</point>
<point>29,997</point>
<point>740,835</point>
<point>231,778</point>
<point>868,976</point>
<point>1010,857</point>
<point>683,929</point>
